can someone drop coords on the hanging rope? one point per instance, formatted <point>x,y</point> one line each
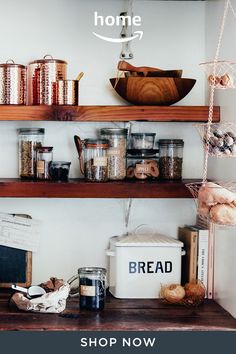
<point>212,89</point>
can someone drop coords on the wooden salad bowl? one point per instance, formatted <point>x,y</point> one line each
<point>152,91</point>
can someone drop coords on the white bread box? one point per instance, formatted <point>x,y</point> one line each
<point>140,263</point>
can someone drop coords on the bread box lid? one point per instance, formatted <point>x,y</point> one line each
<point>147,240</point>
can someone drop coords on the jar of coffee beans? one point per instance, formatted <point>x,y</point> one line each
<point>171,158</point>
<point>29,140</point>
<point>117,151</point>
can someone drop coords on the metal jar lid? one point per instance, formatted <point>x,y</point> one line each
<point>96,143</point>
<point>142,134</point>
<point>142,153</point>
<point>114,131</point>
<point>11,64</point>
<point>171,142</point>
<point>58,164</point>
<point>42,149</point>
<point>46,60</point>
<point>92,270</point>
<point>32,131</point>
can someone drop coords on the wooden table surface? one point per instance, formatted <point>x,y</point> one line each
<point>133,315</point>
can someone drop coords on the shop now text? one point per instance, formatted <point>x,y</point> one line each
<point>112,341</point>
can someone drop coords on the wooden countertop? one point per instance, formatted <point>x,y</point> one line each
<point>133,315</point>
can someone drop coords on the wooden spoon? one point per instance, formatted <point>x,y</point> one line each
<point>124,66</point>
<point>79,76</point>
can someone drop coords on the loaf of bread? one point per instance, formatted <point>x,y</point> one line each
<point>203,209</point>
<point>223,214</point>
<point>211,194</point>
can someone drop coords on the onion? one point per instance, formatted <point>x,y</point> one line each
<point>173,293</point>
<point>194,293</point>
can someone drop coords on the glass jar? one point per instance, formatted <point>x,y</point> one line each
<point>117,151</point>
<point>142,141</point>
<point>59,170</point>
<point>92,288</point>
<point>171,158</point>
<point>29,140</point>
<point>95,160</point>
<point>142,164</point>
<point>44,159</point>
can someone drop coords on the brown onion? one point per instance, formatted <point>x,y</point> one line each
<point>173,293</point>
<point>194,293</point>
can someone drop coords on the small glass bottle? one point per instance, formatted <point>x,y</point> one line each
<point>95,160</point>
<point>92,288</point>
<point>117,151</point>
<point>44,159</point>
<point>171,158</point>
<point>29,140</point>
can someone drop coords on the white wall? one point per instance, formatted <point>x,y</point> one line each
<point>223,169</point>
<point>76,232</point>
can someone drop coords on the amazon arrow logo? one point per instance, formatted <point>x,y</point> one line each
<point>118,21</point>
<point>120,40</point>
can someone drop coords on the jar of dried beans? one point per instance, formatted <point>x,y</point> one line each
<point>171,158</point>
<point>116,153</point>
<point>29,141</point>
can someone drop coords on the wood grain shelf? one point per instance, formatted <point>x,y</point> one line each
<point>78,188</point>
<point>118,315</point>
<point>108,113</point>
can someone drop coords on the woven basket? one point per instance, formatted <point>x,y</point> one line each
<point>194,189</point>
<point>222,138</point>
<point>224,76</point>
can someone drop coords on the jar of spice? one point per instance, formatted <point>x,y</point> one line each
<point>142,164</point>
<point>171,158</point>
<point>44,160</point>
<point>93,162</point>
<point>117,138</point>
<point>29,140</point>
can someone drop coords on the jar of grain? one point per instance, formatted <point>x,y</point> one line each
<point>171,158</point>
<point>117,138</point>
<point>29,140</point>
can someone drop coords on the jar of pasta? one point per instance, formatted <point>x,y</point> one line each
<point>116,153</point>
<point>142,164</point>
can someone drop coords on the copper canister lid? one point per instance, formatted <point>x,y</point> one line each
<point>11,64</point>
<point>48,59</point>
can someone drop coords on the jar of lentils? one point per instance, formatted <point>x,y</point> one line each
<point>29,140</point>
<point>116,153</point>
<point>171,158</point>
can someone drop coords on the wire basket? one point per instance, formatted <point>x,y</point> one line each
<point>224,75</point>
<point>222,138</point>
<point>216,201</point>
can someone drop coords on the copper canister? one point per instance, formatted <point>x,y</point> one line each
<point>12,83</point>
<point>43,76</point>
<point>68,92</point>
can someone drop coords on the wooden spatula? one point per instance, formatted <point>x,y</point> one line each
<point>125,66</point>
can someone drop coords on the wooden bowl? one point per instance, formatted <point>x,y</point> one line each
<point>152,91</point>
<point>159,73</point>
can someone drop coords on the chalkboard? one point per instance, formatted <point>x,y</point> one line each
<point>15,266</point>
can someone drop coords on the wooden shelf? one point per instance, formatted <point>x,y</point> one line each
<point>118,315</point>
<point>78,188</point>
<point>108,113</point>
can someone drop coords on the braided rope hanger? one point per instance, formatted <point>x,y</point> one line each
<point>212,88</point>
